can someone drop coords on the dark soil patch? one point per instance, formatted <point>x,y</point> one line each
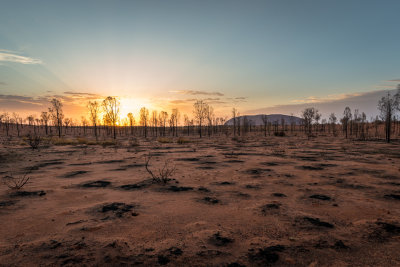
<point>278,195</point>
<point>74,173</point>
<point>203,189</point>
<point>320,197</point>
<point>76,222</point>
<point>318,222</point>
<point>389,227</point>
<point>7,203</point>
<point>234,161</point>
<point>175,251</point>
<point>96,184</point>
<point>306,158</point>
<point>270,163</point>
<point>270,207</point>
<point>139,185</point>
<point>136,165</point>
<point>208,162</point>
<point>110,161</point>
<point>266,255</point>
<point>339,245</point>
<point>219,241</point>
<point>310,168</point>
<point>390,177</point>
<point>28,193</point>
<point>384,230</point>
<point>257,171</point>
<point>187,159</point>
<point>253,186</point>
<point>80,164</point>
<point>206,167</point>
<point>162,260</point>
<point>210,200</point>
<point>174,188</point>
<point>118,208</point>
<point>224,183</point>
<point>44,164</point>
<point>393,196</point>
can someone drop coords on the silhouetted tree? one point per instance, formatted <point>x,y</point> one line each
<point>111,112</point>
<point>57,114</point>
<point>131,120</point>
<point>388,105</point>
<point>200,113</point>
<point>308,116</point>
<point>234,115</point>
<point>345,120</point>
<point>265,123</point>
<point>94,111</point>
<point>144,118</point>
<point>332,122</point>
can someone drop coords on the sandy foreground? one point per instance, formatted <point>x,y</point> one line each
<point>283,201</point>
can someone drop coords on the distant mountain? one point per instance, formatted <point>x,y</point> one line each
<point>257,119</point>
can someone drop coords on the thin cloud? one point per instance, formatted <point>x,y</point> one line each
<point>69,96</point>
<point>394,80</point>
<point>182,101</point>
<point>7,56</point>
<point>192,92</point>
<point>364,101</point>
<point>315,99</point>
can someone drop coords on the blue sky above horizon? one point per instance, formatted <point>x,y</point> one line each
<point>248,54</point>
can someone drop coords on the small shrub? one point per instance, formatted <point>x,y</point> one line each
<point>34,141</point>
<point>164,140</point>
<point>15,183</point>
<point>182,140</point>
<point>162,175</point>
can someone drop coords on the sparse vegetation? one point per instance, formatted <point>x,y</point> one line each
<point>16,182</point>
<point>160,175</point>
<point>34,141</point>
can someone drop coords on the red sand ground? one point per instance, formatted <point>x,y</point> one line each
<point>284,201</point>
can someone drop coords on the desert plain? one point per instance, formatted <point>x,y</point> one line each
<point>248,201</point>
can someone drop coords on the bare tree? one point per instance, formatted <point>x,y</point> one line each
<point>210,118</point>
<point>388,105</point>
<point>45,116</point>
<point>154,121</point>
<point>345,120</point>
<point>144,118</point>
<point>308,117</point>
<point>94,111</point>
<point>131,120</point>
<point>163,116</point>
<point>332,122</point>
<point>234,115</point>
<point>174,118</point>
<point>57,114</point>
<point>187,123</point>
<point>317,117</point>
<point>200,113</point>
<point>17,120</point>
<point>111,110</point>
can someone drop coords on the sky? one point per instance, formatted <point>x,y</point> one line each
<point>274,56</point>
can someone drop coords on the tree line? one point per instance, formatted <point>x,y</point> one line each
<point>104,119</point>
